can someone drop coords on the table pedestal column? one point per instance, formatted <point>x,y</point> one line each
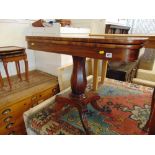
<point>78,98</point>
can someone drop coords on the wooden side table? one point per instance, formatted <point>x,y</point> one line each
<point>14,54</point>
<point>80,47</point>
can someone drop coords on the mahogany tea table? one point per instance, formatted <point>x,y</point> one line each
<point>82,46</point>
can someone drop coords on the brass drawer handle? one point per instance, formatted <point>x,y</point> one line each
<point>9,125</point>
<point>40,101</point>
<point>34,98</point>
<point>54,90</point>
<point>7,120</point>
<point>6,111</point>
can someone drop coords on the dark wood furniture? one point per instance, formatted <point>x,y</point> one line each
<point>125,71</point>
<point>13,54</point>
<point>151,122</point>
<point>64,22</point>
<point>114,72</point>
<point>116,29</point>
<point>27,95</point>
<point>1,80</point>
<point>80,47</point>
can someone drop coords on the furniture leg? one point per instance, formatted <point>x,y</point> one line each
<point>7,74</point>
<point>83,117</point>
<point>1,81</point>
<point>77,98</point>
<point>26,70</point>
<point>104,70</point>
<point>95,78</point>
<point>150,125</point>
<point>18,70</point>
<point>79,103</point>
<point>90,69</point>
<point>104,108</point>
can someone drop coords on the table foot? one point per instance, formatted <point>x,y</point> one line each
<point>83,117</point>
<point>104,108</point>
<point>79,103</point>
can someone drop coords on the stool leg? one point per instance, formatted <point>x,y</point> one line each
<point>18,70</point>
<point>1,81</point>
<point>95,78</point>
<point>7,74</point>
<point>26,70</point>
<point>104,70</point>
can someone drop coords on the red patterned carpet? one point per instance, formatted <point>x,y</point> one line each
<point>130,106</point>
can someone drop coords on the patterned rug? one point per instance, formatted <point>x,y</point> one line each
<point>130,104</point>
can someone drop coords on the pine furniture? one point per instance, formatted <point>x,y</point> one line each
<point>27,95</point>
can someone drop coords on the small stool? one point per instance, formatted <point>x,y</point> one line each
<point>14,54</point>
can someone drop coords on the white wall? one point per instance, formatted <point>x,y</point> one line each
<point>97,25</point>
<point>46,62</point>
<point>82,26</point>
<point>67,59</point>
<point>12,33</point>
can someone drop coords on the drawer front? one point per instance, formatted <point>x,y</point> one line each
<point>14,127</point>
<point>14,111</point>
<point>44,95</point>
<point>47,94</point>
<point>34,101</point>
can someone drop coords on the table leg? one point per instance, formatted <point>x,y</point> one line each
<point>95,75</point>
<point>18,70</point>
<point>90,67</point>
<point>1,81</point>
<point>7,73</point>
<point>104,70</point>
<point>26,70</point>
<point>150,125</point>
<point>77,98</point>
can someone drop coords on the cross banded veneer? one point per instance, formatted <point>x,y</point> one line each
<point>80,47</point>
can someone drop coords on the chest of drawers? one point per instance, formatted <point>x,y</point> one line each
<point>13,106</point>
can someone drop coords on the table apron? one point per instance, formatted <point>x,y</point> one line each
<point>120,53</point>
